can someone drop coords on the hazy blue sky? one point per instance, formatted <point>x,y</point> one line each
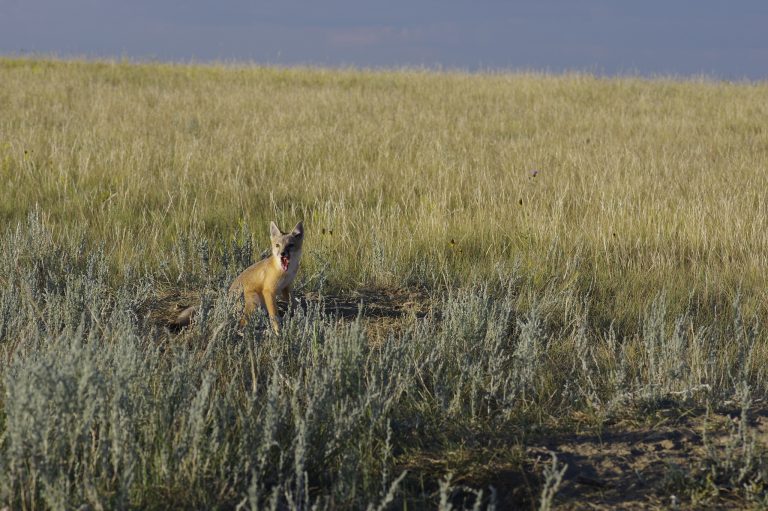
<point>722,39</point>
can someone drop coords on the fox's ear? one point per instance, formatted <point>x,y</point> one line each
<point>298,230</point>
<point>273,230</point>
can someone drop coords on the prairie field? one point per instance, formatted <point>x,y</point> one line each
<point>518,290</point>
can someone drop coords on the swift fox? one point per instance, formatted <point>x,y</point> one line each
<point>262,282</point>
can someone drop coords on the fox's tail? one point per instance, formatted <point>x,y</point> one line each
<point>184,318</point>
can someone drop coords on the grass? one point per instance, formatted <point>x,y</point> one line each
<point>583,247</point>
<point>641,184</point>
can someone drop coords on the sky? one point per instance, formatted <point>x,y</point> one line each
<point>726,39</point>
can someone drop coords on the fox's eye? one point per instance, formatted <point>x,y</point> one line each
<point>277,245</point>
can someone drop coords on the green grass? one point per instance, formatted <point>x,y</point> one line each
<point>639,245</point>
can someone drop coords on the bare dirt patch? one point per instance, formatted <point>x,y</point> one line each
<point>371,303</point>
<point>381,310</point>
<point>629,465</point>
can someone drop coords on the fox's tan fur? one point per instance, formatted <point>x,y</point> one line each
<point>261,283</point>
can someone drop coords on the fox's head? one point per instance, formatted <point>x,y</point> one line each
<point>286,248</point>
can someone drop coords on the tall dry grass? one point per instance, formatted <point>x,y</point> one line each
<point>639,184</point>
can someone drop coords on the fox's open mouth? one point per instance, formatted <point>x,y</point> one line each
<point>284,260</point>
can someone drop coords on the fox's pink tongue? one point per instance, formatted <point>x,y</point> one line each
<point>284,262</point>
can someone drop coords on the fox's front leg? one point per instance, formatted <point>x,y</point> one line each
<point>285,294</point>
<point>252,300</point>
<point>269,301</point>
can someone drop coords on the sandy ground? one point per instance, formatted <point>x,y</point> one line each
<point>640,466</point>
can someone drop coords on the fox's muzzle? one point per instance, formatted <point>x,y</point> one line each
<point>285,259</point>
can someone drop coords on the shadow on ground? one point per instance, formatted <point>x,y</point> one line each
<point>371,304</point>
<point>380,309</point>
<point>641,466</point>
